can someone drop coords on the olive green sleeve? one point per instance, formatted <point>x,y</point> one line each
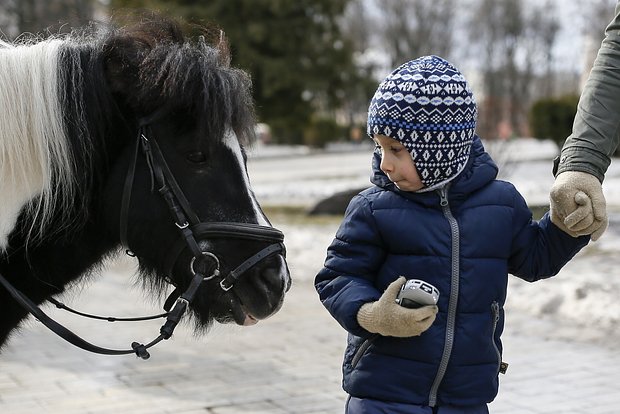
<point>596,128</point>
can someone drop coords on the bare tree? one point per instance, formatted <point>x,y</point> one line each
<point>413,28</point>
<point>517,43</point>
<point>545,25</point>
<point>496,26</point>
<point>357,25</point>
<point>534,77</point>
<point>8,23</point>
<point>41,17</point>
<point>596,17</point>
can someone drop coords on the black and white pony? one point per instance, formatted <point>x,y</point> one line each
<point>132,136</point>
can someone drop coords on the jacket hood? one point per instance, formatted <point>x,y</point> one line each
<point>478,172</point>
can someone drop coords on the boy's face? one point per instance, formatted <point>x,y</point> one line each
<point>397,164</point>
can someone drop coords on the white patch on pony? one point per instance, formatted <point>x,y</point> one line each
<point>12,202</point>
<point>231,141</point>
<point>35,161</point>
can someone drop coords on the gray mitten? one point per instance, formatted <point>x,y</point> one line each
<point>387,318</point>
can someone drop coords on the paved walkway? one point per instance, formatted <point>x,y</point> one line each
<point>287,364</point>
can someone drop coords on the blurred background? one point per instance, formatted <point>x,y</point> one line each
<point>316,63</point>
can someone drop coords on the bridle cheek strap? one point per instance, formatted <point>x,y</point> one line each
<point>190,225</point>
<point>170,191</point>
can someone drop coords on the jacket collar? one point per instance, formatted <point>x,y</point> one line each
<point>479,171</point>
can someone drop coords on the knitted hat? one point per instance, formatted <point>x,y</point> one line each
<point>427,105</point>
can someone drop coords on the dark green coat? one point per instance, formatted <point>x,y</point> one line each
<point>596,130</point>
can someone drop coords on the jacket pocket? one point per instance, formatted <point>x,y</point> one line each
<point>362,350</point>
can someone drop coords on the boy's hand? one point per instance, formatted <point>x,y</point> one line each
<point>578,205</point>
<point>388,318</point>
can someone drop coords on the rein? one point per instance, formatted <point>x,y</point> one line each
<point>191,229</point>
<point>172,319</point>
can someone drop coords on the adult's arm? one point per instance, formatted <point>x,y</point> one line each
<point>596,128</point>
<point>578,204</point>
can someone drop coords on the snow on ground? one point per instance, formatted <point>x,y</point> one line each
<point>582,299</point>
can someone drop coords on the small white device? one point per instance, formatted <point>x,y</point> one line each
<point>416,293</point>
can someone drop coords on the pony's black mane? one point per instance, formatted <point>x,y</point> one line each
<point>191,75</point>
<point>196,76</point>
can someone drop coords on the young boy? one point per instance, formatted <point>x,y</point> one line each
<point>438,214</point>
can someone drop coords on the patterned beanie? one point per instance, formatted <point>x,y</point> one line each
<point>427,105</point>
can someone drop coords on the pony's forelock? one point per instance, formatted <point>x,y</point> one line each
<point>196,75</point>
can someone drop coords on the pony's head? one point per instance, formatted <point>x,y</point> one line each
<point>179,193</point>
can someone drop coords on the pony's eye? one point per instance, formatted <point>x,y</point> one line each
<point>197,157</point>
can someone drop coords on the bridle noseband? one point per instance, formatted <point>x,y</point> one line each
<point>191,231</point>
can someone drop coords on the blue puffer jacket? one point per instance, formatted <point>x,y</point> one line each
<point>463,239</point>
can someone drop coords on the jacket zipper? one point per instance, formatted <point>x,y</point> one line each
<point>454,295</point>
<point>501,366</point>
<point>495,310</point>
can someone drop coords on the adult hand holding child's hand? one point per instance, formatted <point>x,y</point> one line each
<point>388,318</point>
<point>578,205</point>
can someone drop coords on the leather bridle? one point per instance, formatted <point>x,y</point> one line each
<point>187,221</point>
<point>191,231</point>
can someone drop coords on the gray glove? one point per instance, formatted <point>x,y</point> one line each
<point>578,205</point>
<point>388,318</point>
